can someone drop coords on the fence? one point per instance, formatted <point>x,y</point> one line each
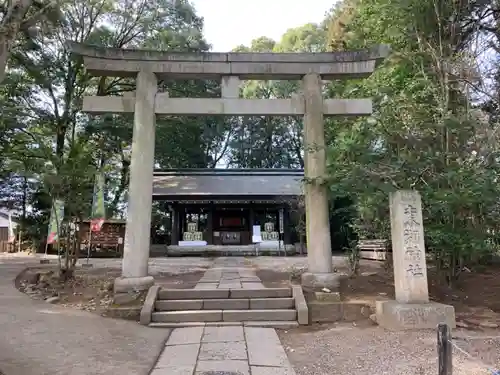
<point>445,346</point>
<point>6,247</point>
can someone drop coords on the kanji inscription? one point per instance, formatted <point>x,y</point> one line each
<point>408,247</point>
<point>412,233</point>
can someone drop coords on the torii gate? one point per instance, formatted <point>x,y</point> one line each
<point>229,68</point>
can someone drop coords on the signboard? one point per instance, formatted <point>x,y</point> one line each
<point>231,221</point>
<point>109,237</point>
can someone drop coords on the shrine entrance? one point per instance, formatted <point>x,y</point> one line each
<point>228,211</point>
<point>229,68</point>
<point>231,226</point>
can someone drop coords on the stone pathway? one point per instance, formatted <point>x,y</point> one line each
<point>224,350</point>
<point>229,278</point>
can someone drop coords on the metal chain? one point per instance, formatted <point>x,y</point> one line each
<point>475,337</point>
<point>470,356</point>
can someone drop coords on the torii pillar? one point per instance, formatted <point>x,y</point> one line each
<point>319,256</point>
<point>138,227</point>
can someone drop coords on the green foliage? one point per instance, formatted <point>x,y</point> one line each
<point>433,128</point>
<point>54,148</point>
<point>273,142</point>
<point>425,133</point>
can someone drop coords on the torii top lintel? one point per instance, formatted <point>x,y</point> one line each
<point>102,61</point>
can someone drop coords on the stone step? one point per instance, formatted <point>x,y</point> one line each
<point>225,304</point>
<point>263,323</point>
<point>191,294</point>
<point>223,316</point>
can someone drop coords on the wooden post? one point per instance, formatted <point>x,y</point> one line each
<point>445,350</point>
<point>281,229</point>
<point>174,225</point>
<point>251,220</point>
<point>286,226</point>
<point>210,226</point>
<point>182,222</point>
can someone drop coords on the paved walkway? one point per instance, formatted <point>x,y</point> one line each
<point>42,339</point>
<point>229,278</point>
<point>225,350</point>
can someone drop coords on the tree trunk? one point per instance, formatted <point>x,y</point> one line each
<point>4,55</point>
<point>9,28</point>
<point>124,178</point>
<point>25,197</point>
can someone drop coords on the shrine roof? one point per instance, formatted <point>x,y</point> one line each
<point>228,182</point>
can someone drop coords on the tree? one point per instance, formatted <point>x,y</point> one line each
<point>425,133</point>
<point>22,16</point>
<point>274,142</point>
<point>57,148</point>
<point>61,80</point>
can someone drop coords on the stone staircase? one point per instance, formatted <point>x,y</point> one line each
<point>264,307</point>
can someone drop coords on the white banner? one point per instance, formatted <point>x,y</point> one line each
<point>281,216</point>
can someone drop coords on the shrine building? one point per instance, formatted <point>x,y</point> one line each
<point>229,210</point>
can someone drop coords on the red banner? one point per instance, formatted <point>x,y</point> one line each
<point>52,238</point>
<point>96,224</point>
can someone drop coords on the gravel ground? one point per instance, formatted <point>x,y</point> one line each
<point>286,263</point>
<point>190,264</point>
<point>156,265</point>
<point>347,350</point>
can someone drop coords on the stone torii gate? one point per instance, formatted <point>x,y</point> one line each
<point>150,66</point>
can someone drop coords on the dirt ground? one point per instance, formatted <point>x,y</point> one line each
<point>476,296</point>
<point>274,279</point>
<point>91,289</point>
<point>341,348</point>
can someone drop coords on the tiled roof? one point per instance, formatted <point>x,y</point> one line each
<point>228,182</point>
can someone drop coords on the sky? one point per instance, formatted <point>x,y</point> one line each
<point>229,23</point>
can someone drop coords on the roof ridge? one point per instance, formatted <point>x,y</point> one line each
<point>229,171</point>
<point>203,183</point>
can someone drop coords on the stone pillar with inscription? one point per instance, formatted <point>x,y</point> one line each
<point>407,232</point>
<point>412,308</point>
